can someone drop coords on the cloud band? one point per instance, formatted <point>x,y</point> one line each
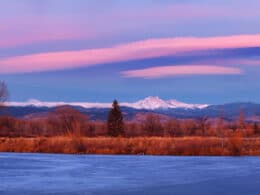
<point>184,70</point>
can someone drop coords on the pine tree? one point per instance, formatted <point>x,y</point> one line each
<point>115,123</point>
<point>3,93</point>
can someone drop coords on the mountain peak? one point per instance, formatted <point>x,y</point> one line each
<point>154,102</point>
<point>150,103</point>
<point>153,98</point>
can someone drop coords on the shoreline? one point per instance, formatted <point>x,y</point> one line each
<point>157,146</point>
<point>131,155</point>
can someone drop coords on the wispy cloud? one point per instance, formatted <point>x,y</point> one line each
<point>183,70</point>
<point>37,32</point>
<point>132,51</point>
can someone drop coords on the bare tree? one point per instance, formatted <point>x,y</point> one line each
<point>3,93</point>
<point>172,128</point>
<point>241,120</point>
<point>71,120</point>
<point>152,125</point>
<point>220,130</point>
<point>203,124</point>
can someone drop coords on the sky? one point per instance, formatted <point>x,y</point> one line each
<point>204,51</point>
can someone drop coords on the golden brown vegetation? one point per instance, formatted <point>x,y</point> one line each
<point>141,145</point>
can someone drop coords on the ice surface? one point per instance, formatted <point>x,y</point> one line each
<point>93,174</point>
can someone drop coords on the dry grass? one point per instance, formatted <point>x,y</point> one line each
<point>139,145</point>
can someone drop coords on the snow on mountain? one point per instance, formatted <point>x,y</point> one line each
<point>149,103</point>
<point>177,104</point>
<point>153,103</point>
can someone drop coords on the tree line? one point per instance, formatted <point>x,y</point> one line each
<point>66,121</point>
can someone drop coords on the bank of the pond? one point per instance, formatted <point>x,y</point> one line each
<point>210,146</point>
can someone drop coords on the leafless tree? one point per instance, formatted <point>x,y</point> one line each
<point>71,120</point>
<point>241,120</point>
<point>220,130</point>
<point>203,124</point>
<point>152,125</point>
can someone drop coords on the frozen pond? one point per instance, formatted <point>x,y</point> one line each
<point>93,174</point>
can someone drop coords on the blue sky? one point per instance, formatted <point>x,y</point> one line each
<point>86,50</point>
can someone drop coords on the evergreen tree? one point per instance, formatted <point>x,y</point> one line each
<point>3,93</point>
<point>115,123</point>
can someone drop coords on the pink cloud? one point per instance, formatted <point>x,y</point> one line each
<point>124,52</point>
<point>31,29</point>
<point>38,37</point>
<point>182,70</point>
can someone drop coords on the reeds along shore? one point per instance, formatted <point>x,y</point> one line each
<point>233,146</point>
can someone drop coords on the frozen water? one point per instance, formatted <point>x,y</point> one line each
<point>102,174</point>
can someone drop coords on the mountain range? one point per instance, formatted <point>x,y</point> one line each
<point>149,103</point>
<point>34,109</point>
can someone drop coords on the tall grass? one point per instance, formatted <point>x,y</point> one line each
<point>134,146</point>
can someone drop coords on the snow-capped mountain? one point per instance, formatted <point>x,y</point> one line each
<point>149,103</point>
<point>153,103</point>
